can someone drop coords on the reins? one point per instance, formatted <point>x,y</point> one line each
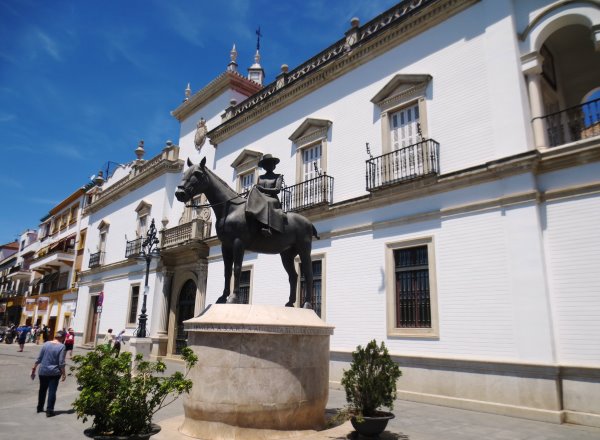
<point>210,205</point>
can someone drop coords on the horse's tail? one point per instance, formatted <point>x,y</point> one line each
<point>315,233</point>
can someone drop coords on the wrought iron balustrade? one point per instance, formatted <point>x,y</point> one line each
<point>417,160</point>
<point>196,229</point>
<point>96,260</point>
<point>133,247</point>
<point>312,192</point>
<point>573,124</point>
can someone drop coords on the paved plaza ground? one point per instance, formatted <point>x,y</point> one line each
<point>414,421</point>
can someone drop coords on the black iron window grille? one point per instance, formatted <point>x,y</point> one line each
<point>317,298</point>
<point>413,299</point>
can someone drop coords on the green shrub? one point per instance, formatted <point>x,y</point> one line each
<point>370,383</point>
<point>121,401</point>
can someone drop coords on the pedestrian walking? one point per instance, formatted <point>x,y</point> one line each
<point>52,369</point>
<point>118,342</point>
<point>108,338</point>
<point>23,336</point>
<point>45,333</point>
<point>70,342</point>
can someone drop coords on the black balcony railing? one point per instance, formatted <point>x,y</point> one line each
<point>312,192</point>
<point>133,248</point>
<point>96,260</point>
<point>417,160</point>
<point>573,124</point>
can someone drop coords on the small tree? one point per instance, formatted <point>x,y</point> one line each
<point>370,383</point>
<point>122,401</point>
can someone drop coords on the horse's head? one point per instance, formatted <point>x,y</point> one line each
<point>194,182</point>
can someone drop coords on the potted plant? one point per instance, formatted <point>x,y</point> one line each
<point>370,384</point>
<point>120,399</point>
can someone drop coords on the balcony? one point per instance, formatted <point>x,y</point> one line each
<point>308,194</point>
<point>408,163</point>
<point>96,260</point>
<point>134,247</point>
<point>573,124</point>
<point>20,272</point>
<point>60,253</point>
<point>196,230</point>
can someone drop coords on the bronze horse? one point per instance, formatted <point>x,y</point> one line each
<point>239,232</point>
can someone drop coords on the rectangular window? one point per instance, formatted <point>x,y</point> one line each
<point>142,225</point>
<point>413,306</point>
<point>245,281</point>
<point>133,304</point>
<point>311,161</point>
<point>411,289</point>
<point>404,127</point>
<point>317,299</point>
<point>246,182</point>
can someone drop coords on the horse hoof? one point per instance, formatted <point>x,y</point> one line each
<point>222,300</point>
<point>307,305</point>
<point>232,299</point>
<point>289,304</point>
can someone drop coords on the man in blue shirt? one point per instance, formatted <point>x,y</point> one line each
<point>52,368</point>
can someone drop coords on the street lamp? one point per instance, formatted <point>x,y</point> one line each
<point>148,251</point>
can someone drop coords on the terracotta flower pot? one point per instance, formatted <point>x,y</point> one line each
<point>372,426</point>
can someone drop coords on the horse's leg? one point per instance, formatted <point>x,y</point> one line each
<point>228,262</point>
<point>308,275</point>
<point>238,259</point>
<point>287,258</point>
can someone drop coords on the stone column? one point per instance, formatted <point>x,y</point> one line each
<point>163,304</point>
<point>202,273</point>
<point>531,64</point>
<point>160,314</point>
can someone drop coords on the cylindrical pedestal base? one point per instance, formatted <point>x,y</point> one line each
<point>263,372</point>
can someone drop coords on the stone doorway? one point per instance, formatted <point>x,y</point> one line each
<point>185,310</point>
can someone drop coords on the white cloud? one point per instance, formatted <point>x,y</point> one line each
<point>68,151</point>
<point>6,117</point>
<point>10,182</point>
<point>49,45</point>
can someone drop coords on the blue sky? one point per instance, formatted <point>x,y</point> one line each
<point>81,82</point>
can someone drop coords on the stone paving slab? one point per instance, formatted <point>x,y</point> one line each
<point>414,421</point>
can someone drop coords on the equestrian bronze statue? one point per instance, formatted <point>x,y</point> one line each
<point>287,234</point>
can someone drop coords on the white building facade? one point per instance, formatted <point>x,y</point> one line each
<point>448,154</point>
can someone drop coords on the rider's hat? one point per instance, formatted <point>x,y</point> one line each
<point>268,158</point>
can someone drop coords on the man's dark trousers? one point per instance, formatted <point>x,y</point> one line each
<point>48,384</point>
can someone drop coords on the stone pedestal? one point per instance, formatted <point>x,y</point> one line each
<point>141,346</point>
<point>263,372</point>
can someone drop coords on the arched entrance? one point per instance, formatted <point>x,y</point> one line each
<point>185,310</point>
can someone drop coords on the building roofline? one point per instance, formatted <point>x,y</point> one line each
<point>226,80</point>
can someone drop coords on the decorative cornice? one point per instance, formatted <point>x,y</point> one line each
<point>394,26</point>
<point>309,128</point>
<point>226,80</point>
<point>257,329</point>
<point>135,179</point>
<point>534,161</point>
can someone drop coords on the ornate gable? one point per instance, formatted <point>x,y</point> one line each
<point>311,129</point>
<point>246,159</point>
<point>401,89</point>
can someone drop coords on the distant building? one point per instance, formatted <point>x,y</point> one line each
<point>10,304</point>
<point>448,153</point>
<point>53,263</point>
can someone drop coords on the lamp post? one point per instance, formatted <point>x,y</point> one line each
<point>148,251</point>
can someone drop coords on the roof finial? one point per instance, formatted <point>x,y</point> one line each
<point>258,35</point>
<point>232,66</point>
<point>188,92</point>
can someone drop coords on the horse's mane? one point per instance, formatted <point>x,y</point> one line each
<point>233,195</point>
